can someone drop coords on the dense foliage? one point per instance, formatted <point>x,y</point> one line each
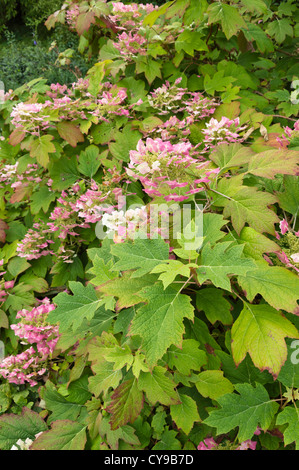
<point>149,233</point>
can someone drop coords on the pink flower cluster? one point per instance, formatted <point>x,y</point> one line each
<point>285,139</point>
<point>168,98</point>
<point>289,240</point>
<point>34,329</point>
<point>72,16</point>
<point>173,128</point>
<point>28,116</point>
<point>10,177</point>
<point>128,16</point>
<point>35,244</point>
<point>129,44</point>
<point>5,286</point>
<point>134,9</point>
<point>223,131</point>
<point>172,98</point>
<point>162,166</point>
<point>210,444</point>
<point>69,104</point>
<point>22,368</point>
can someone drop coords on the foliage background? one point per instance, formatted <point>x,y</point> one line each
<point>206,373</point>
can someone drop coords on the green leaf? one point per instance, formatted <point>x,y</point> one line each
<point>126,404</point>
<point>42,199</point>
<point>19,297</point>
<point>215,306</point>
<point>255,6</point>
<point>73,309</point>
<point>168,442</point>
<point>84,21</point>
<point>278,286</point>
<point>139,364</point>
<point>270,163</point>
<point>188,357</point>
<point>260,330</point>
<point>229,17</point>
<point>171,270</point>
<point>158,387</point>
<point>255,33</point>
<point>160,322</point>
<point>255,243</point>
<point>190,41</point>
<point>212,384</point>
<point>217,82</point>
<point>40,149</point>
<point>23,426</point>
<point>143,254</point>
<point>120,356</point>
<point>126,289</point>
<point>64,173</point>
<point>218,263</point>
<point>17,265</point>
<point>152,17</point>
<point>289,373</point>
<point>96,74</point>
<point>63,435</point>
<point>102,271</point>
<point>89,161</point>
<point>289,198</point>
<point>244,372</point>
<point>289,416</point>
<point>230,156</point>
<point>60,407</point>
<point>185,414</point>
<point>248,409</point>
<point>105,374</point>
<point>246,204</point>
<point>124,142</point>
<point>105,377</point>
<point>280,29</point>
<point>212,224</point>
<point>151,68</point>
<point>126,433</point>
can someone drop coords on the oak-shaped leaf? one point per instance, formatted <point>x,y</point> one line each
<point>73,309</point>
<point>278,286</point>
<point>248,409</point>
<point>160,322</point>
<point>142,255</point>
<point>63,435</point>
<point>260,331</point>
<point>221,261</point>
<point>14,427</point>
<point>126,404</point>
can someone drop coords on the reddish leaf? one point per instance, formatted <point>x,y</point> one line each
<point>3,227</point>
<point>126,404</point>
<point>84,21</point>
<point>20,194</point>
<point>17,136</point>
<point>70,132</point>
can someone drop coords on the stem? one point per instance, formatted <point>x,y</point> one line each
<point>283,117</point>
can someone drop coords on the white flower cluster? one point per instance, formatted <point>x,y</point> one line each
<point>126,223</point>
<point>24,445</point>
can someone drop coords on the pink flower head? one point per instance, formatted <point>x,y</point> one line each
<point>207,444</point>
<point>284,227</point>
